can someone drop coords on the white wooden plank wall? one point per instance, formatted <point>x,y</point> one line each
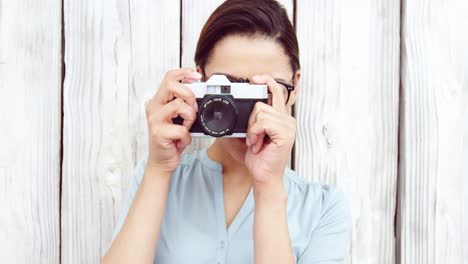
<point>194,15</point>
<point>30,128</point>
<point>433,196</point>
<point>347,112</point>
<point>116,53</point>
<point>352,126</point>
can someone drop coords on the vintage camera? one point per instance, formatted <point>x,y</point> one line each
<point>224,107</point>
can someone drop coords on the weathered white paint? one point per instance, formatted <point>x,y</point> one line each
<point>116,54</point>
<point>433,211</point>
<point>347,112</point>
<point>194,15</point>
<point>30,124</point>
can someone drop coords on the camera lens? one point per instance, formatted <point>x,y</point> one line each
<point>218,115</point>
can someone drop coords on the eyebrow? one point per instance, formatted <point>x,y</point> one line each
<point>229,76</point>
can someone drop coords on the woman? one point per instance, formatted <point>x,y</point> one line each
<point>235,202</point>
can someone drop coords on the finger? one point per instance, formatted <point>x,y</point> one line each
<point>180,146</point>
<point>278,100</point>
<point>189,81</point>
<point>173,90</point>
<point>268,119</point>
<point>259,117</point>
<point>256,134</point>
<point>171,86</point>
<point>257,147</point>
<point>271,123</point>
<point>182,143</point>
<point>260,107</point>
<point>182,73</point>
<point>177,133</point>
<point>179,90</point>
<point>168,133</point>
<point>252,117</point>
<point>174,132</point>
<point>175,108</point>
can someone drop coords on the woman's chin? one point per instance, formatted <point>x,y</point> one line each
<point>236,147</point>
<point>242,140</point>
<point>241,145</point>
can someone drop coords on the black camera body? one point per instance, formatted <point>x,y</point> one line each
<point>224,107</point>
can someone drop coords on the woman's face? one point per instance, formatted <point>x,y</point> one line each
<point>244,57</point>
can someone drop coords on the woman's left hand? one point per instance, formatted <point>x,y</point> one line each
<point>266,160</point>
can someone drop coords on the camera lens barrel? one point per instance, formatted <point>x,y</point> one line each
<point>217,115</point>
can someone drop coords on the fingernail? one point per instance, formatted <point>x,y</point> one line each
<point>195,106</point>
<point>254,149</point>
<point>247,141</point>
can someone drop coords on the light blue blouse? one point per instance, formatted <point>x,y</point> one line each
<point>194,226</point>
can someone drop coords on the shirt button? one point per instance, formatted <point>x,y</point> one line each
<point>221,244</point>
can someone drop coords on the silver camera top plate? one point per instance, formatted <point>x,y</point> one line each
<point>217,85</point>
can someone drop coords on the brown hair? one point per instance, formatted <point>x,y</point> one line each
<point>248,17</point>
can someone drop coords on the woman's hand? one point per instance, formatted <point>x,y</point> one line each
<point>138,237</point>
<point>267,160</point>
<point>168,140</point>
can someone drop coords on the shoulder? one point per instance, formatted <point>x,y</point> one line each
<point>320,204</point>
<point>321,220</point>
<point>299,186</point>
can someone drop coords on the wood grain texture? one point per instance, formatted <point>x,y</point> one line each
<point>433,204</point>
<point>194,15</point>
<point>116,55</point>
<point>30,124</point>
<point>347,112</point>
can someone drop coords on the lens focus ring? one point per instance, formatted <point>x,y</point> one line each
<point>218,115</point>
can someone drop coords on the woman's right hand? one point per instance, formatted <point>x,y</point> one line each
<point>167,140</point>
